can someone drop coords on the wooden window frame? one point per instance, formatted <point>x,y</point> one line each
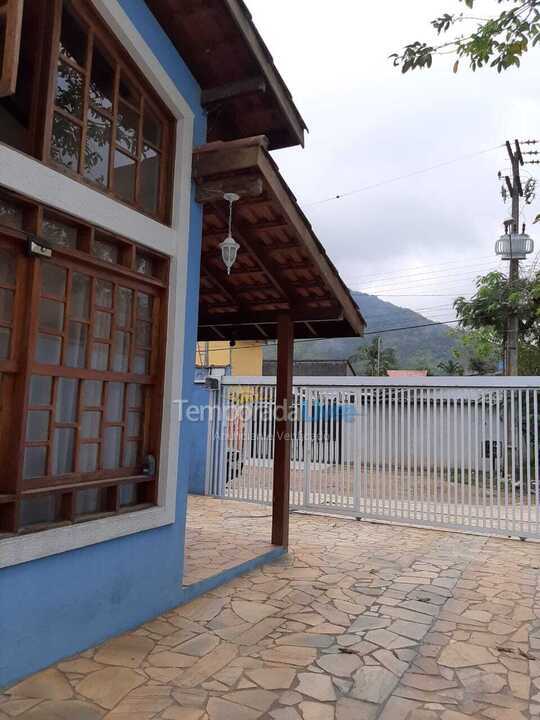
<point>122,65</point>
<point>17,370</point>
<point>12,12</point>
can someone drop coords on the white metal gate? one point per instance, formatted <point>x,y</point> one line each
<point>461,453</point>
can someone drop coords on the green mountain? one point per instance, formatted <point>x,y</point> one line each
<point>415,348</point>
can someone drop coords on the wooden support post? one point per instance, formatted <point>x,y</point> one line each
<point>282,437</point>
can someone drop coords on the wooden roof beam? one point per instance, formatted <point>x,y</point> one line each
<point>229,91</point>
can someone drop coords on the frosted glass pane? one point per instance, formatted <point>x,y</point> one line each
<point>59,234</point>
<point>114,411</point>
<point>134,423</point>
<point>100,356</point>
<point>135,395</point>
<point>120,352</point>
<point>144,306</point>
<point>93,500</point>
<point>51,315</point>
<point>124,301</point>
<point>80,297</point>
<point>5,341</point>
<point>37,426</point>
<point>104,294</point>
<point>7,268</point>
<point>40,390</point>
<point>142,362</point>
<point>90,424</point>
<point>76,345</point>
<point>53,280</point>
<point>39,510</point>
<point>127,494</point>
<point>102,325</point>
<point>130,454</point>
<point>144,334</point>
<point>92,393</point>
<point>88,457</point>
<point>66,400</point>
<point>35,462</point>
<point>48,349</point>
<point>6,304</point>
<point>112,439</point>
<point>63,451</point>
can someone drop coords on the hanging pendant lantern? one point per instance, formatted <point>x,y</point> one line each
<point>229,247</point>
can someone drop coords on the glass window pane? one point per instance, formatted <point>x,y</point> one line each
<point>105,250</point>
<point>112,439</point>
<point>88,458</point>
<point>127,131</point>
<point>142,362</point>
<point>66,400</point>
<point>6,305</point>
<point>40,390</point>
<point>149,189</point>
<point>124,301</point>
<point>37,426</point>
<point>135,395</point>
<point>144,334</point>
<point>151,127</point>
<point>102,325</point>
<point>101,80</point>
<point>100,356</point>
<point>40,510</point>
<point>7,268</point>
<point>131,453</point>
<point>114,411</point>
<point>51,315</point>
<point>90,425</point>
<point>53,280</point>
<point>35,462</point>
<point>59,234</point>
<point>92,393</point>
<point>98,148</point>
<point>124,176</point>
<point>144,306</point>
<point>134,424</point>
<point>69,90</point>
<point>5,342</point>
<point>129,92</point>
<point>91,501</point>
<point>145,264</point>
<point>120,362</point>
<point>66,143</point>
<point>104,294</point>
<point>127,494</point>
<point>76,345</point>
<point>80,297</point>
<point>63,451</point>
<point>73,37</point>
<point>48,349</point>
<point>10,215</point>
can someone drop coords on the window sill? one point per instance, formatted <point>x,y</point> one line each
<point>22,548</point>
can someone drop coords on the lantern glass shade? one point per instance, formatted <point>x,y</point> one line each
<point>229,250</point>
<point>515,246</point>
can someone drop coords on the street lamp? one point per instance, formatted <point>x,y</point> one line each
<point>229,247</point>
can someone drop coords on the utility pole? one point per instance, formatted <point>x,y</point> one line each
<point>379,343</point>
<point>516,192</point>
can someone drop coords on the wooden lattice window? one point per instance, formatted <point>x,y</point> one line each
<point>107,127</point>
<point>11,13</point>
<point>81,372</point>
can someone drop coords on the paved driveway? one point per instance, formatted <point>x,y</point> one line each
<point>360,621</point>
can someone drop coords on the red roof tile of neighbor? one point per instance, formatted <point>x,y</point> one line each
<point>406,373</point>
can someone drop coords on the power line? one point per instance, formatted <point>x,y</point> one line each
<point>422,269</point>
<point>404,177</point>
<point>371,332</point>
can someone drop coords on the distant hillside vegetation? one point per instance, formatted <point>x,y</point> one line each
<point>421,347</point>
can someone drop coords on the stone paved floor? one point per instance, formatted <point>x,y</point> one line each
<point>222,534</point>
<point>359,622</point>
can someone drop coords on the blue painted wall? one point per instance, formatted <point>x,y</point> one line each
<point>54,607</point>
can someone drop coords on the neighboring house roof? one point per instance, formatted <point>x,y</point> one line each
<point>242,90</point>
<point>406,373</point>
<point>281,265</point>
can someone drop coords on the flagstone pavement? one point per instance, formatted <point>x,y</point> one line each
<point>359,622</point>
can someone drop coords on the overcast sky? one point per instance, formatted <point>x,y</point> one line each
<point>421,241</point>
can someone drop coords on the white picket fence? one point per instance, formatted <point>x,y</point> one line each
<point>458,453</point>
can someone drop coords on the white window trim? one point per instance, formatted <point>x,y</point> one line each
<point>29,177</point>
